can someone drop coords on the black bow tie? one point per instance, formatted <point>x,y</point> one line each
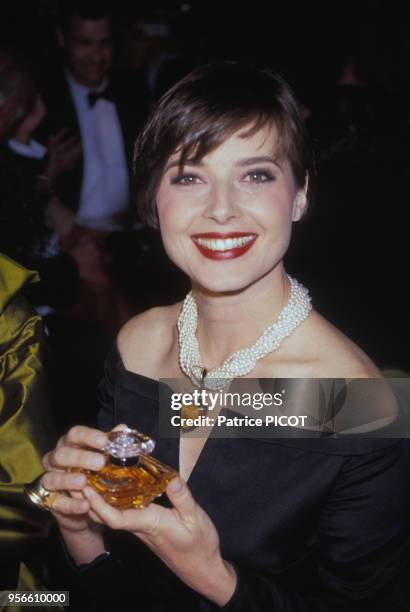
<point>94,96</point>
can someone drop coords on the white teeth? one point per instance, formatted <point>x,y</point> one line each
<point>223,244</point>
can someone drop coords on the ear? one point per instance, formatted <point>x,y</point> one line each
<point>300,203</point>
<point>60,39</point>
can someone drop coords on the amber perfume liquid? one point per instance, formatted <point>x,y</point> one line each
<point>132,478</point>
<point>134,486</point>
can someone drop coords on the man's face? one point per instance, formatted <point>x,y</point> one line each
<point>88,45</point>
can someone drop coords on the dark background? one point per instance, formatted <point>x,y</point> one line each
<point>304,41</point>
<point>352,248</point>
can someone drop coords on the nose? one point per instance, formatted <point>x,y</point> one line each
<point>221,206</point>
<point>97,57</point>
<point>97,54</point>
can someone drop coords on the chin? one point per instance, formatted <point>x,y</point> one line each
<point>96,81</point>
<point>94,78</point>
<point>224,283</point>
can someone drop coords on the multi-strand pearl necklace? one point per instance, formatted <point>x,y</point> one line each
<point>243,361</point>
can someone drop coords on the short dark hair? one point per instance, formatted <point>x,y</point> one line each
<point>86,9</point>
<point>204,108</point>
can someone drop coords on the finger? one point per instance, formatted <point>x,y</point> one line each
<point>179,494</point>
<point>93,516</point>
<point>68,505</point>
<point>46,462</point>
<point>85,436</point>
<point>60,134</point>
<point>62,481</point>
<point>120,427</point>
<point>72,155</point>
<point>67,456</point>
<point>48,467</point>
<point>71,160</point>
<point>138,520</point>
<point>107,514</point>
<point>68,144</point>
<point>76,494</point>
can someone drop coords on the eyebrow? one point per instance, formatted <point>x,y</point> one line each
<point>258,160</point>
<point>249,161</point>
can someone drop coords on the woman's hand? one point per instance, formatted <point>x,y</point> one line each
<point>80,528</point>
<point>184,537</point>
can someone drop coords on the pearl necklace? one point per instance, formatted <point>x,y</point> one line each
<point>243,361</point>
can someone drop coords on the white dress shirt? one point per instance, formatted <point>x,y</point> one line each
<point>105,184</point>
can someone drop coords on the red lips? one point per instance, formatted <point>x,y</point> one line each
<point>223,255</point>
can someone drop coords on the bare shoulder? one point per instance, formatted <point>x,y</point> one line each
<point>334,355</point>
<point>145,339</point>
<point>317,349</point>
<point>339,357</point>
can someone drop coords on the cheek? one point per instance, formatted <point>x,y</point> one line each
<point>78,55</point>
<point>170,224</point>
<point>174,213</point>
<point>273,211</point>
<point>164,207</point>
<point>175,218</point>
<point>171,232</point>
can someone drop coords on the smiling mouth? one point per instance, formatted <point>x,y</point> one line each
<point>224,246</point>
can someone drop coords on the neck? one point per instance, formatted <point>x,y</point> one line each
<point>228,322</point>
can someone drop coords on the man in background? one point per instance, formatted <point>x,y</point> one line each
<point>87,99</point>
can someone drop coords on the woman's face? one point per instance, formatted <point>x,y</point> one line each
<point>226,221</point>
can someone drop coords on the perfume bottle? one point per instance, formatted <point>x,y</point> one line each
<point>131,478</point>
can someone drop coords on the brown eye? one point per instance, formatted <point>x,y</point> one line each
<point>185,179</point>
<point>259,176</point>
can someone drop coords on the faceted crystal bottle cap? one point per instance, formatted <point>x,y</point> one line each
<point>128,443</point>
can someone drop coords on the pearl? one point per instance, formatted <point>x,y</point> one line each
<point>242,361</point>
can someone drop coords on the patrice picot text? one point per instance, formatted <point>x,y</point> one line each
<point>210,400</point>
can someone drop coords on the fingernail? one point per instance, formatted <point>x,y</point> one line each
<point>80,479</point>
<point>88,492</point>
<point>98,462</point>
<point>175,486</point>
<point>100,440</point>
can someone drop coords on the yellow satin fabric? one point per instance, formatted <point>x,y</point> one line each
<point>24,419</point>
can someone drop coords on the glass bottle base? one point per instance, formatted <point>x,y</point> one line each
<point>131,487</point>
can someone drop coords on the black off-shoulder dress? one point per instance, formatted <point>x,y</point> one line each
<point>309,524</point>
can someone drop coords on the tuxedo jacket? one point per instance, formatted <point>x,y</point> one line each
<point>132,107</point>
<point>310,525</point>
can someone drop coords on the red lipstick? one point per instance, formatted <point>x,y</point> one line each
<point>226,254</point>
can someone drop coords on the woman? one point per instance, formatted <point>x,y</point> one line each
<point>222,167</point>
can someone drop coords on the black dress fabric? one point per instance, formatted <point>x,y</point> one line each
<point>310,525</point>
